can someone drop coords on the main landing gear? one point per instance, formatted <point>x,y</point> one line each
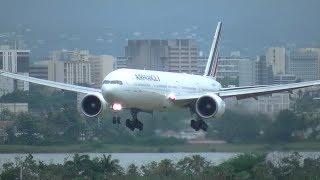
<point>134,123</point>
<point>199,124</point>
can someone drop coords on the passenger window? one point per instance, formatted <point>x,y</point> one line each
<point>106,82</point>
<point>113,82</point>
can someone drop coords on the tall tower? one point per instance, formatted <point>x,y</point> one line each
<point>276,57</point>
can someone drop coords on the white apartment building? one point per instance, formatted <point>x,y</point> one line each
<point>15,61</point>
<point>100,67</point>
<point>77,72</point>
<point>120,62</point>
<point>304,63</point>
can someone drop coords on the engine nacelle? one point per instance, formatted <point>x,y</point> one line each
<point>93,104</point>
<point>210,105</point>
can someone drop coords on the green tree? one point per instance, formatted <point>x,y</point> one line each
<point>283,127</point>
<point>110,166</point>
<point>9,171</point>
<point>237,127</point>
<point>133,170</point>
<point>166,168</point>
<point>149,169</point>
<point>193,166</point>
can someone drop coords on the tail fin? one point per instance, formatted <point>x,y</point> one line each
<point>212,64</point>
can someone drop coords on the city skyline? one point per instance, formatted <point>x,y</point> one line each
<point>104,28</point>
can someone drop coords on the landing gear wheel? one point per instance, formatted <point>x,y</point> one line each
<point>114,120</point>
<point>203,125</point>
<point>195,125</point>
<point>118,120</point>
<point>139,125</point>
<point>129,124</point>
<point>134,123</point>
<point>199,124</point>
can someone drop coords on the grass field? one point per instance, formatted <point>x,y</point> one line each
<point>112,148</point>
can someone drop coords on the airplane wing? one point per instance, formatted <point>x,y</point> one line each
<point>249,91</point>
<point>264,90</point>
<point>68,87</point>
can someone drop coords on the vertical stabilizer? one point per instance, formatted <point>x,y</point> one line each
<point>212,64</point>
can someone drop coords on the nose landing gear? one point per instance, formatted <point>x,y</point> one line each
<point>116,120</point>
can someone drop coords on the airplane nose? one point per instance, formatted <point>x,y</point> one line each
<point>107,90</point>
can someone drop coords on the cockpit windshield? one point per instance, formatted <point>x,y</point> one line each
<point>112,82</point>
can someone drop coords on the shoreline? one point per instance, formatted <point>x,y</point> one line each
<point>181,148</point>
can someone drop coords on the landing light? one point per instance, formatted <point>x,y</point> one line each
<point>172,96</point>
<point>117,107</point>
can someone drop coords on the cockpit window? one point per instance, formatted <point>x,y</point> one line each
<point>112,82</point>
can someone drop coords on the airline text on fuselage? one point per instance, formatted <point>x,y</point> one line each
<point>147,77</point>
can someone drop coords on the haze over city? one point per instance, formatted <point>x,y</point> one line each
<point>104,26</point>
<point>159,89</point>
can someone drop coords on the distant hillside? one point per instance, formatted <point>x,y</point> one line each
<point>104,26</point>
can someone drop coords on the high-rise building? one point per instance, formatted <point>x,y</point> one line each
<point>179,55</point>
<point>39,70</point>
<point>56,71</point>
<point>120,62</point>
<point>304,63</point>
<point>100,67</point>
<point>183,55</point>
<point>264,73</point>
<point>15,61</point>
<point>201,63</point>
<point>228,67</point>
<point>79,67</point>
<point>273,104</point>
<point>233,66</point>
<point>284,79</point>
<point>276,57</point>
<point>77,72</point>
<point>247,72</point>
<point>71,67</point>
<point>146,54</point>
<point>66,55</point>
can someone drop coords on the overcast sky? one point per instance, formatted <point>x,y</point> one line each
<point>104,25</point>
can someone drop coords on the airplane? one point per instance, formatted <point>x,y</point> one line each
<point>149,91</point>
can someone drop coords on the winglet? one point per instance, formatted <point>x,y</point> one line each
<point>212,64</point>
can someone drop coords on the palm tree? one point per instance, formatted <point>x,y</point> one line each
<point>110,166</point>
<point>194,165</point>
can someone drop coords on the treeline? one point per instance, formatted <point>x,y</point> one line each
<point>244,167</point>
<point>65,127</point>
<point>239,127</point>
<point>54,119</point>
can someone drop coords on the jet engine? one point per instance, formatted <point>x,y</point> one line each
<point>93,104</point>
<point>210,105</point>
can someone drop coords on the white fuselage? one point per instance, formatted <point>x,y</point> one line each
<point>150,90</point>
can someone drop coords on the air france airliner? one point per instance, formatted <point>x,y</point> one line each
<point>149,91</point>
